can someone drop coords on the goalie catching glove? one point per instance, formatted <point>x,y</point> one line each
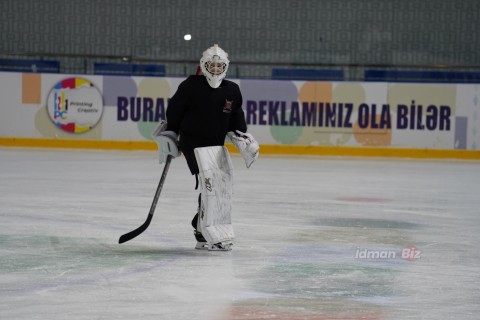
<point>246,144</point>
<point>167,142</point>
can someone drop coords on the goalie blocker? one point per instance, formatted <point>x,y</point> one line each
<point>166,142</point>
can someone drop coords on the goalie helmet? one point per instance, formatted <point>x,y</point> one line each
<point>214,65</point>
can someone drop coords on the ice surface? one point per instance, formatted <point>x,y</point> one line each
<point>304,228</point>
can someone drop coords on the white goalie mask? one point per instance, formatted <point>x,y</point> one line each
<point>214,65</point>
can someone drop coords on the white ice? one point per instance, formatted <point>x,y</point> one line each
<point>304,227</point>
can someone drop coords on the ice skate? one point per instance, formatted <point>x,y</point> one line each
<point>221,246</point>
<point>201,242</point>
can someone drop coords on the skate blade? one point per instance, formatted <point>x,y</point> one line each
<point>220,246</point>
<point>201,246</point>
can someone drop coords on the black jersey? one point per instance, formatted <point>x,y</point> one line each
<point>202,115</point>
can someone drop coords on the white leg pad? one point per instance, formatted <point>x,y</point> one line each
<point>216,182</point>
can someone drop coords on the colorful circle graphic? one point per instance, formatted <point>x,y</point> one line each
<point>75,105</point>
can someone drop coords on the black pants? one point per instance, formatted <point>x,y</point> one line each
<point>195,218</point>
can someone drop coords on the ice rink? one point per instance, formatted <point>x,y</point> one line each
<point>316,238</point>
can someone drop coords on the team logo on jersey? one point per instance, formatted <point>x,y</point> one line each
<point>227,108</point>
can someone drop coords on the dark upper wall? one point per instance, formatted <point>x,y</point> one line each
<point>407,32</point>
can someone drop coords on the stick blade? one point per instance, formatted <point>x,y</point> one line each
<point>134,233</point>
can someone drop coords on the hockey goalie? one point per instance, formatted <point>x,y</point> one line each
<point>202,112</point>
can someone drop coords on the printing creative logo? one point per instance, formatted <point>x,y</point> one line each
<point>75,105</point>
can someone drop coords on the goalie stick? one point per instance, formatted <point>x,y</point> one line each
<point>132,234</point>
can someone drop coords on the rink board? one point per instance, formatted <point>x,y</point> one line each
<point>286,117</point>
